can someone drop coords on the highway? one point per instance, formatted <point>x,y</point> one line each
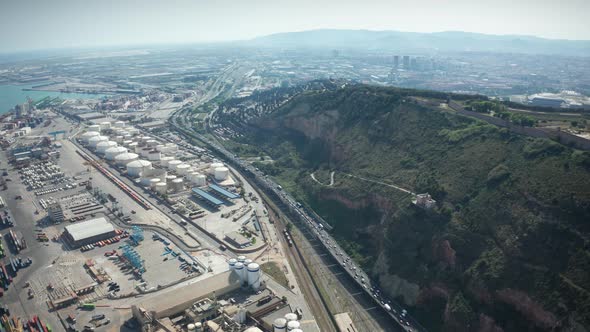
<point>309,224</point>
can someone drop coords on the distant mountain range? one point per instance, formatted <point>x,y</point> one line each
<point>451,41</point>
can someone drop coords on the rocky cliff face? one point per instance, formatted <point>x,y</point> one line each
<point>505,249</point>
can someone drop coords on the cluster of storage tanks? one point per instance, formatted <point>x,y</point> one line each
<point>247,270</point>
<point>137,153</point>
<point>287,323</point>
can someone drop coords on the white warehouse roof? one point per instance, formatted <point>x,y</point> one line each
<point>89,228</point>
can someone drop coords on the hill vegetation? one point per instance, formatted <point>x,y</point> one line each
<point>506,248</point>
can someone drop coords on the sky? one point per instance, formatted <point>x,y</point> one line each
<point>46,24</point>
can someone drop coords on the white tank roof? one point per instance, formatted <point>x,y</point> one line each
<point>97,138</point>
<point>280,322</point>
<point>116,149</point>
<point>253,267</point>
<point>106,144</point>
<point>126,156</point>
<point>139,163</point>
<point>293,325</point>
<point>290,317</point>
<point>253,329</point>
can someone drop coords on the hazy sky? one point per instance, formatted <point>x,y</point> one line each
<point>38,24</point>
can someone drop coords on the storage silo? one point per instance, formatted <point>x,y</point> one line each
<point>151,143</point>
<point>111,153</point>
<point>239,268</point>
<point>232,263</point>
<point>93,141</point>
<point>137,167</point>
<point>102,147</point>
<point>170,178</point>
<point>279,325</point>
<point>159,147</point>
<point>133,131</point>
<point>190,327</point>
<point>221,173</point>
<point>161,187</point>
<point>254,276</point>
<point>292,325</point>
<point>290,317</point>
<point>296,330</point>
<point>153,182</point>
<point>119,139</point>
<point>214,166</point>
<point>144,139</point>
<point>154,155</point>
<point>105,125</point>
<point>125,158</point>
<point>145,181</point>
<point>247,262</point>
<point>182,169</point>
<point>93,127</point>
<point>241,258</point>
<point>88,135</point>
<point>133,147</point>
<point>199,180</point>
<point>172,164</point>
<point>165,160</point>
<point>119,124</point>
<point>171,147</point>
<point>177,185</point>
<point>144,152</point>
<point>198,327</point>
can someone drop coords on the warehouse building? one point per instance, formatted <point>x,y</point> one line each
<point>88,232</point>
<point>179,299</point>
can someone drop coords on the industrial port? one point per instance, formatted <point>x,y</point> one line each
<point>108,225</point>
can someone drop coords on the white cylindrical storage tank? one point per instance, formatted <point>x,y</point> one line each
<point>172,147</point>
<point>154,155</point>
<point>221,173</point>
<point>88,135</point>
<point>125,158</point>
<point>145,181</point>
<point>170,178</point>
<point>161,187</point>
<point>254,276</point>
<point>199,180</point>
<point>144,152</point>
<point>291,317</point>
<point>190,327</point>
<point>241,259</point>
<point>165,160</point>
<point>102,147</point>
<point>111,153</point>
<point>144,139</point>
<point>133,131</point>
<point>198,327</point>
<point>177,185</point>
<point>151,143</point>
<point>292,325</point>
<point>159,147</point>
<point>213,166</point>
<point>247,262</point>
<point>296,330</point>
<point>279,325</point>
<point>133,146</point>
<point>232,263</point>
<point>239,268</point>
<point>127,142</point>
<point>172,164</point>
<point>119,139</point>
<point>105,125</point>
<point>93,141</point>
<point>182,169</point>
<point>119,124</point>
<point>127,136</point>
<point>137,167</point>
<point>153,182</point>
<point>94,127</point>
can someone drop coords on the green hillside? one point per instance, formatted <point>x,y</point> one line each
<point>507,245</point>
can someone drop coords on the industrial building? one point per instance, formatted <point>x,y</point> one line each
<point>89,231</point>
<point>167,304</point>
